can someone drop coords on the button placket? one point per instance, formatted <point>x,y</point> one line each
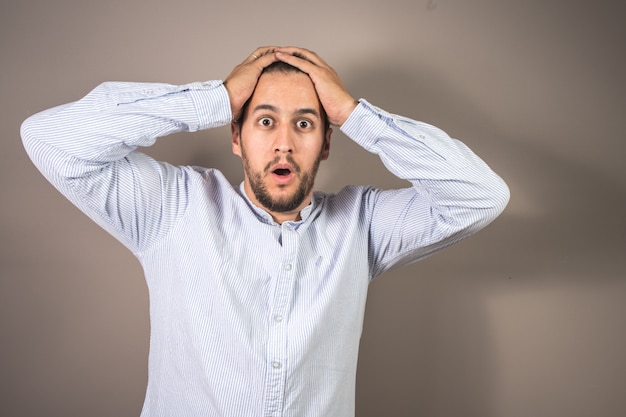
<point>277,341</point>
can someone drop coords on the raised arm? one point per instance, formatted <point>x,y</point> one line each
<point>87,150</point>
<point>453,194</point>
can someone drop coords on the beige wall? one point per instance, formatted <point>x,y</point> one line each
<point>526,318</point>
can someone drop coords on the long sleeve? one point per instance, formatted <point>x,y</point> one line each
<point>87,150</point>
<point>453,194</point>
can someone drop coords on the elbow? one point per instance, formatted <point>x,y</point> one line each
<point>502,196</point>
<point>34,131</point>
<point>38,127</point>
<point>27,133</point>
<point>489,202</point>
<point>498,195</point>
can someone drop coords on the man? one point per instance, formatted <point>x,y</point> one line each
<point>257,294</point>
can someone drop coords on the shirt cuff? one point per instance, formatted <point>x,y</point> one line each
<point>365,124</point>
<point>212,104</point>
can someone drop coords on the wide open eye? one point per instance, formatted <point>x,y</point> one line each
<point>266,122</point>
<point>304,124</point>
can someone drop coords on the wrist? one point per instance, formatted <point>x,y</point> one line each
<point>346,111</point>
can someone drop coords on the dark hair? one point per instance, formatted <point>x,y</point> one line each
<point>285,68</point>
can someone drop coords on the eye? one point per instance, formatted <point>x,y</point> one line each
<point>304,124</point>
<point>266,122</point>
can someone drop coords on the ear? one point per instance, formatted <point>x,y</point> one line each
<point>326,147</point>
<point>236,138</point>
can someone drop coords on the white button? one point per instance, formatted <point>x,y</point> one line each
<point>278,318</point>
<point>288,267</point>
<point>276,365</point>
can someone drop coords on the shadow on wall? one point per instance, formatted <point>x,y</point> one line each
<point>428,346</point>
<point>426,343</point>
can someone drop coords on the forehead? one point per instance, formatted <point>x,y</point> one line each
<point>287,92</point>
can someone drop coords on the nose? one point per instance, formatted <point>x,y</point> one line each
<point>283,142</point>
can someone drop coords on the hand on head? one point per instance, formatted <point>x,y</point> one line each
<point>335,99</point>
<point>243,78</point>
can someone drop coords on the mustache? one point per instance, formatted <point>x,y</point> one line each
<point>278,158</point>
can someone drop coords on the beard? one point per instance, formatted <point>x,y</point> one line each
<point>287,203</point>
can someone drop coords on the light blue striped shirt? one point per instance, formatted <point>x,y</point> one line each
<point>249,317</point>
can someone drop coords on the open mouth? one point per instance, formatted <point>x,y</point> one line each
<point>282,172</point>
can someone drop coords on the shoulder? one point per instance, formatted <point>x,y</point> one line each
<point>350,201</point>
<point>207,179</point>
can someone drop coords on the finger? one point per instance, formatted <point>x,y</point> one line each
<point>303,54</point>
<point>259,53</point>
<point>304,64</point>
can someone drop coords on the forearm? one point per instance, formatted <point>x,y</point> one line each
<point>116,118</point>
<point>427,157</point>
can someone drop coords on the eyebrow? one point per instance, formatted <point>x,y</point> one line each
<point>265,107</point>
<point>298,112</point>
<point>304,111</point>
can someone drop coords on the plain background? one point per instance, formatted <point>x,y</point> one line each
<point>527,318</point>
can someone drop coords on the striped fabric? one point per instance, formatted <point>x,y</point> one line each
<point>249,317</point>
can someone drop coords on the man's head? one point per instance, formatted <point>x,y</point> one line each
<point>281,137</point>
